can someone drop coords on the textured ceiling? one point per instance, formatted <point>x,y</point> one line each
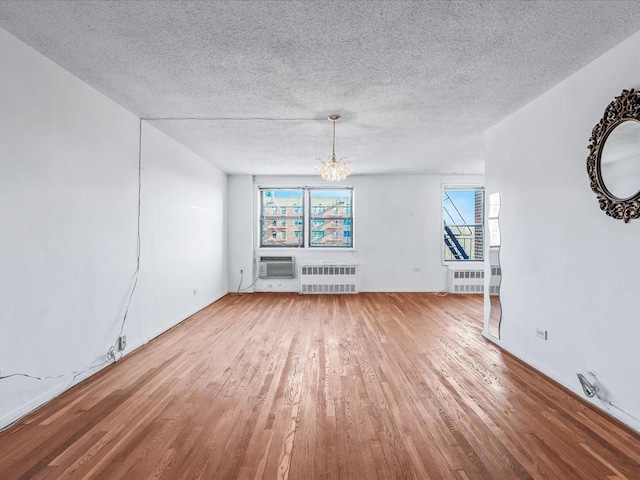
<point>415,82</point>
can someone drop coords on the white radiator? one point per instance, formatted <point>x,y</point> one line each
<point>496,277</point>
<point>328,279</point>
<point>465,281</point>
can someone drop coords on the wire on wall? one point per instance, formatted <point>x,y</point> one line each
<point>240,282</point>
<point>231,119</point>
<point>110,357</point>
<point>48,377</point>
<point>75,374</point>
<point>136,273</point>
<point>592,389</point>
<point>623,411</point>
<point>248,286</point>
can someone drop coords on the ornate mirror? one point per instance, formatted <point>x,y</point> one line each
<point>613,163</point>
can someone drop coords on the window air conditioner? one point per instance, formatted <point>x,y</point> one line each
<point>276,267</point>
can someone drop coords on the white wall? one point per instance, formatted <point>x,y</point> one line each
<point>183,235</point>
<point>397,228</point>
<point>241,231</point>
<point>567,267</point>
<point>68,216</point>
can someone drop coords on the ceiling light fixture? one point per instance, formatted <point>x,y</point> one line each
<point>334,170</point>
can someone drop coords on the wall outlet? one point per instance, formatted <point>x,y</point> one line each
<point>195,292</point>
<point>542,334</point>
<point>122,343</point>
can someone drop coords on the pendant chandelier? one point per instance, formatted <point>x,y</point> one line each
<point>334,170</point>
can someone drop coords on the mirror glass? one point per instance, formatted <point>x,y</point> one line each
<point>620,160</point>
<point>495,241</point>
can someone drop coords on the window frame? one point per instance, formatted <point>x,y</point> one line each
<point>482,226</point>
<point>306,216</point>
<point>329,214</point>
<point>276,217</point>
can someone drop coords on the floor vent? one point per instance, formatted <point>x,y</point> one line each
<point>465,281</point>
<point>328,279</point>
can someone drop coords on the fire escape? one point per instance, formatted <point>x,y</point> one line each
<point>458,236</point>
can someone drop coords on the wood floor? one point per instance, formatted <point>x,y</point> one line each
<point>277,386</point>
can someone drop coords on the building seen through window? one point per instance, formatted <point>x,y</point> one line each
<point>463,223</point>
<point>306,217</point>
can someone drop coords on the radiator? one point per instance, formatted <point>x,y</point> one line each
<point>496,277</point>
<point>465,281</point>
<point>328,279</point>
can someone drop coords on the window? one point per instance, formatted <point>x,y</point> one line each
<point>274,203</point>
<point>463,223</point>
<point>306,217</point>
<point>330,209</point>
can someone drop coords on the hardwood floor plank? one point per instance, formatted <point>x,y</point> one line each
<point>368,386</point>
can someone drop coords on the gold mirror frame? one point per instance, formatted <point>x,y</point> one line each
<point>623,108</point>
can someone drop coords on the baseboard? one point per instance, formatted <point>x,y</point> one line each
<point>492,339</point>
<point>624,419</point>
<point>176,321</point>
<point>61,387</point>
<point>45,397</point>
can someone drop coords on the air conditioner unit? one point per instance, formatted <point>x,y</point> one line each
<point>276,267</point>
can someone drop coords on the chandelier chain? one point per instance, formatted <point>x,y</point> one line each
<point>334,170</point>
<point>334,140</point>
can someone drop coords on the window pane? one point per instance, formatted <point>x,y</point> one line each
<point>330,217</point>
<point>463,229</point>
<point>281,217</point>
